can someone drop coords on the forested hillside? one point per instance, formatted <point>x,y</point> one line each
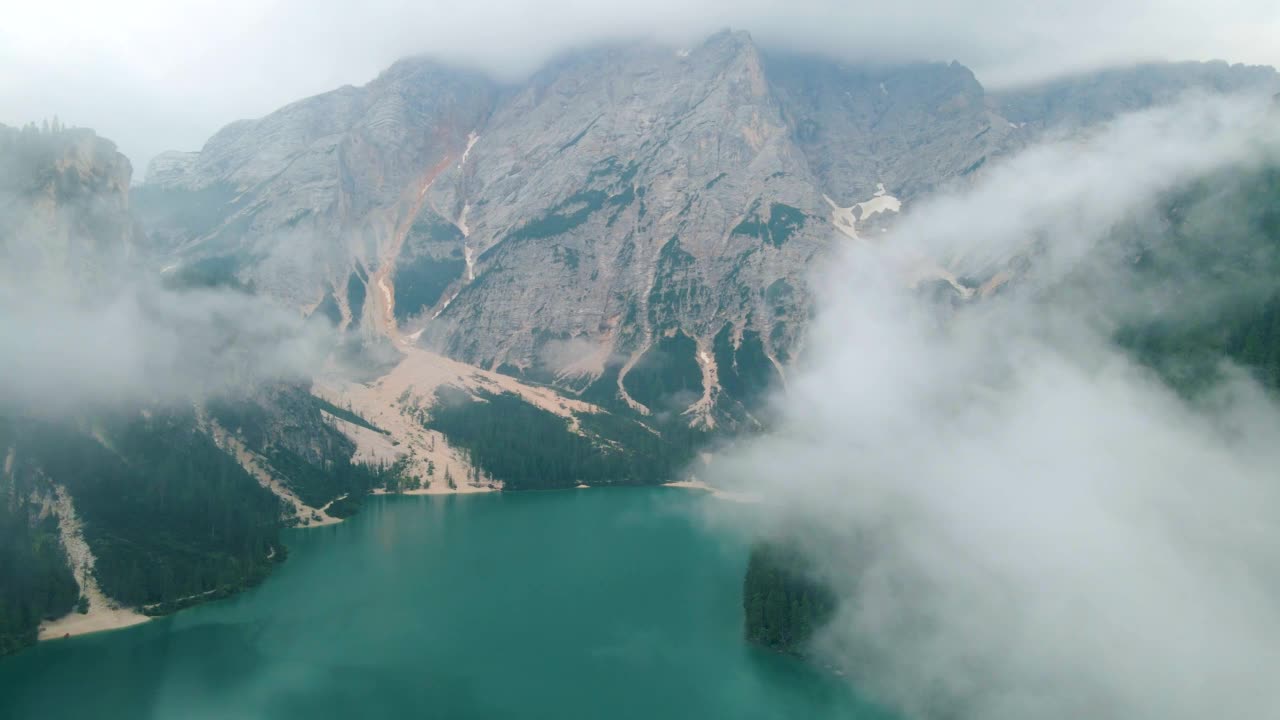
<point>35,581</point>
<point>1201,286</point>
<point>529,448</point>
<point>284,426</point>
<point>782,603</point>
<point>1213,278</point>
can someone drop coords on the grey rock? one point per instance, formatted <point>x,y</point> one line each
<point>65,222</point>
<point>300,198</point>
<point>558,228</point>
<point>1090,98</point>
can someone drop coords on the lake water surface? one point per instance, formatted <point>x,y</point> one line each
<point>603,603</point>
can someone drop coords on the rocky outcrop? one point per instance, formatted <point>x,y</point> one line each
<point>64,209</point>
<point>627,206</point>
<point>172,168</point>
<point>297,202</point>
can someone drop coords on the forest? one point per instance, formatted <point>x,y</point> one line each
<point>1208,270</point>
<point>783,605</point>
<point>35,581</point>
<point>1212,273</point>
<point>284,425</point>
<point>165,511</point>
<point>529,448</point>
<point>171,518</point>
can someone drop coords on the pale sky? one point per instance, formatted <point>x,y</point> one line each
<point>155,75</point>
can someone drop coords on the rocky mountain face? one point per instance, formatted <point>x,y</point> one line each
<point>160,489</point>
<point>633,223</point>
<point>131,499</point>
<point>297,201</point>
<point>64,208</point>
<point>1082,100</point>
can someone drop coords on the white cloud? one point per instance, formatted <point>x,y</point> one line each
<point>166,75</point>
<point>1023,523</point>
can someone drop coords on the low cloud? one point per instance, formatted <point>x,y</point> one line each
<point>1024,523</point>
<point>145,344</point>
<point>157,76</point>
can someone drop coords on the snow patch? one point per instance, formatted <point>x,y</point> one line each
<point>472,137</point>
<point>847,219</point>
<point>462,220</point>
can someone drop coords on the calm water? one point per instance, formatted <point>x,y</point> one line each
<point>566,605</point>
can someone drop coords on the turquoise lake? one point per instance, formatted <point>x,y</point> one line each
<point>602,603</point>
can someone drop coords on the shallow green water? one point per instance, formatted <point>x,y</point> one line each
<point>590,604</point>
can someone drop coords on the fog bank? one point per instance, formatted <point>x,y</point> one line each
<point>1022,522</point>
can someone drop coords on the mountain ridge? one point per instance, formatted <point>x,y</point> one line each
<point>561,228</point>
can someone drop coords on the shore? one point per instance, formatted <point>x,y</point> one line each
<point>716,492</point>
<point>101,618</point>
<point>96,620</point>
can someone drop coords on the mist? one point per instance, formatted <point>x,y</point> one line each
<point>1021,521</point>
<point>144,344</point>
<point>166,76</point>
<point>86,321</point>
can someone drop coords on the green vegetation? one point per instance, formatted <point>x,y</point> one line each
<point>348,415</point>
<point>783,604</point>
<point>189,213</point>
<point>577,209</point>
<point>35,582</point>
<point>604,390</point>
<point>578,137</point>
<point>430,227</point>
<point>781,297</point>
<point>355,297</point>
<point>564,217</point>
<point>212,272</point>
<point>745,372</point>
<point>328,310</point>
<point>1219,243</point>
<point>420,282</point>
<point>667,378</point>
<point>677,288</point>
<point>782,222</point>
<point>781,341</point>
<point>974,166</point>
<point>529,448</point>
<point>566,255</point>
<point>307,454</point>
<point>166,513</point>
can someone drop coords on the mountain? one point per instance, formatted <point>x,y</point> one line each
<point>64,207</point>
<point>1087,99</point>
<point>121,501</point>
<point>156,470</point>
<point>633,223</point>
<point>574,279</point>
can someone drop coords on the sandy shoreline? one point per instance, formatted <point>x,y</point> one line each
<point>103,619</point>
<point>96,620</point>
<point>714,491</point>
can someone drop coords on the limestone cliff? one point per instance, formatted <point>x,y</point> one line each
<point>634,223</point>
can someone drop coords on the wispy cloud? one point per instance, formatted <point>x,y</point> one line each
<point>1023,523</point>
<point>166,75</point>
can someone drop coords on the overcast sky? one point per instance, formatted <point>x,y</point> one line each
<point>155,75</point>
